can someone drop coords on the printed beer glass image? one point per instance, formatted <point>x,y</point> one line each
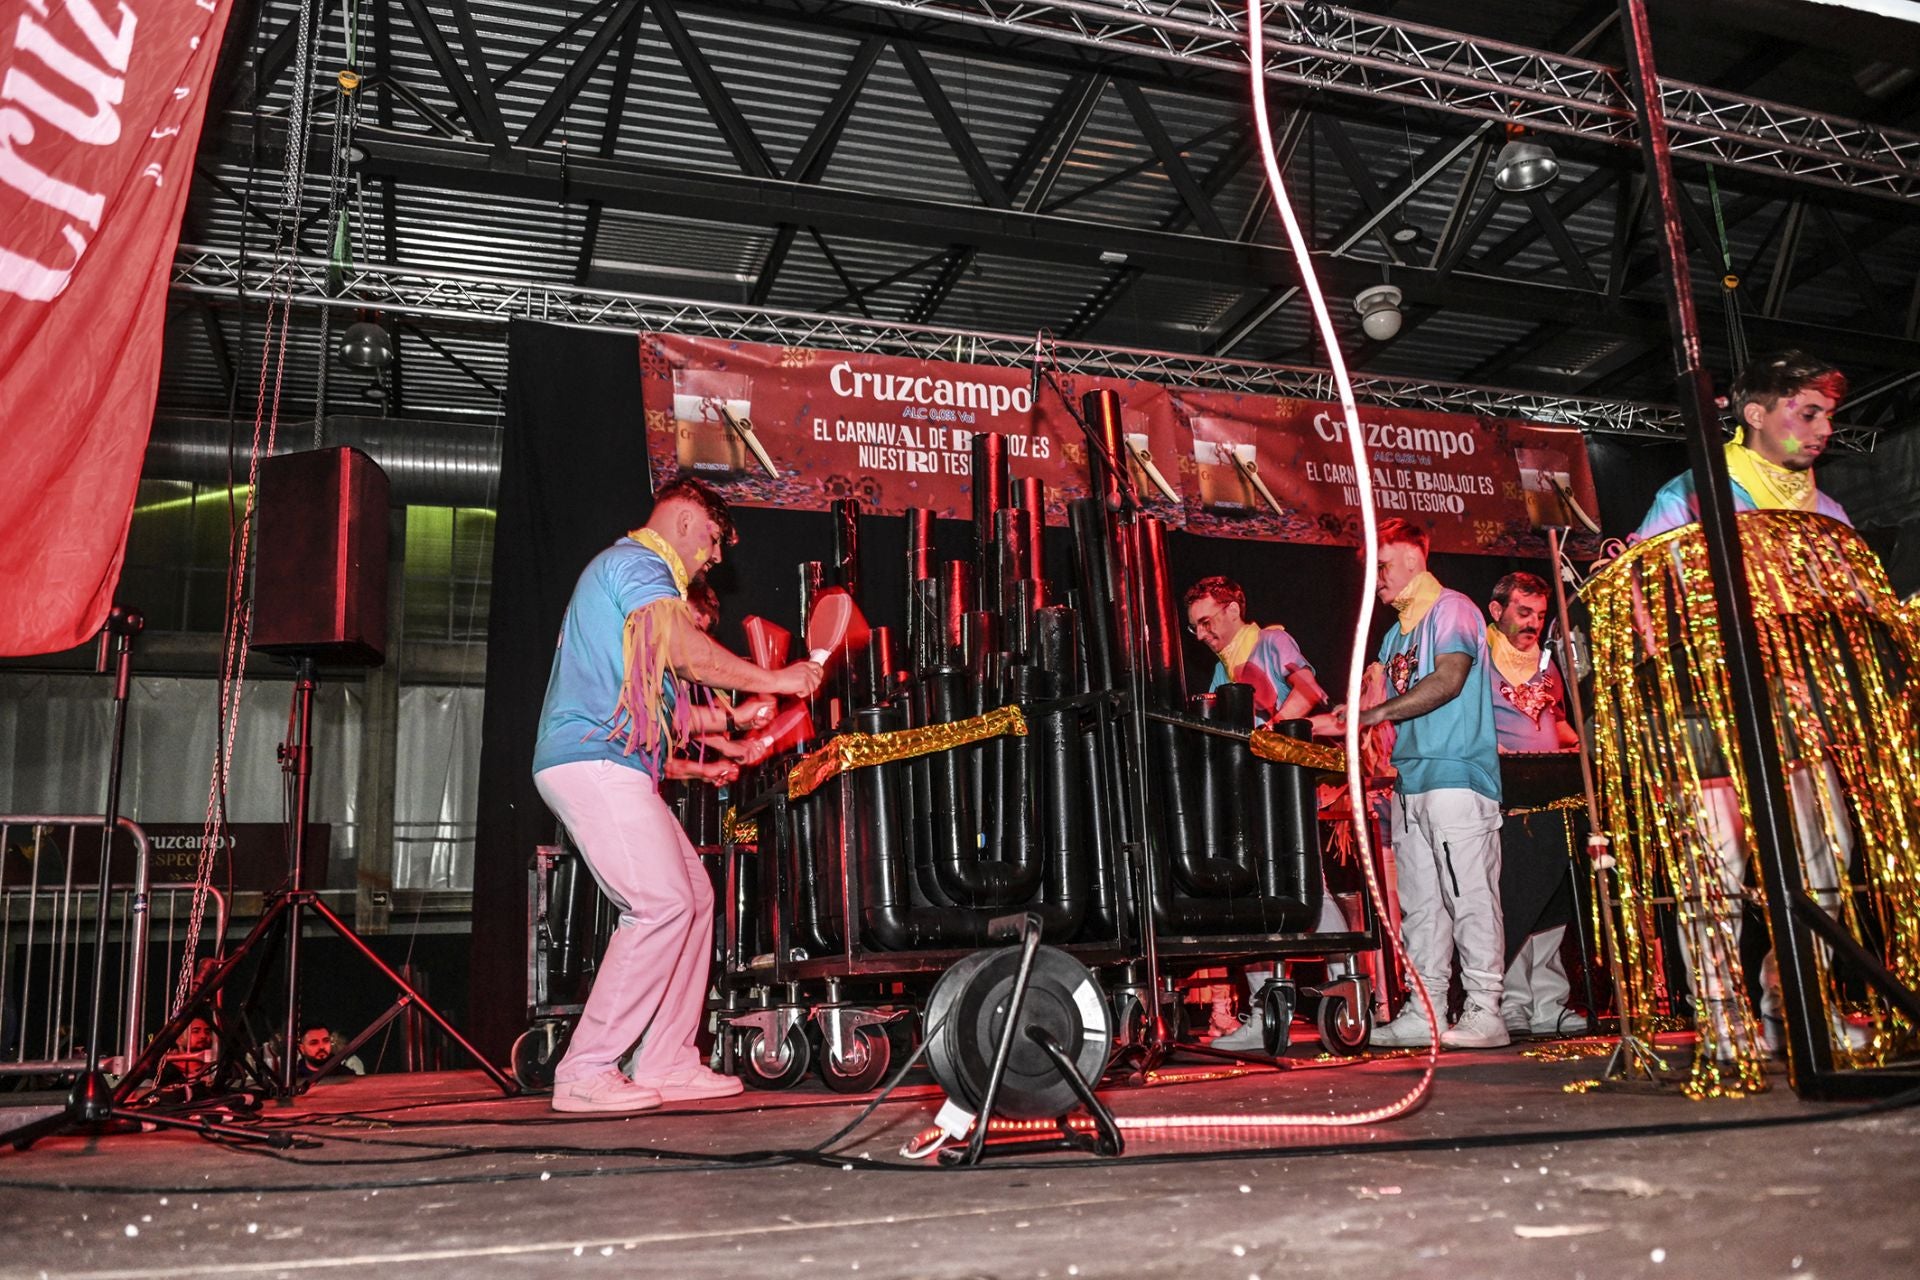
<point>1223,486</point>
<point>704,442</point>
<point>1539,469</point>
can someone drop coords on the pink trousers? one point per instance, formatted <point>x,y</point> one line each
<point>652,983</point>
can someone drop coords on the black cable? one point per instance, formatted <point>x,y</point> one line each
<point>706,1162</point>
<point>686,1161</point>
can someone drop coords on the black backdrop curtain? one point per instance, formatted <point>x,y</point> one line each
<point>574,477</point>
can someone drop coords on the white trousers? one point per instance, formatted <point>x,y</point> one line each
<point>1825,839</point>
<point>652,983</point>
<point>1446,850</point>
<point>1537,986</point>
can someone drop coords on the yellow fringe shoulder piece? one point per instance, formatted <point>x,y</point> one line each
<point>643,717</point>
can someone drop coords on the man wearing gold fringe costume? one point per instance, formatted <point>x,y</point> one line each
<point>612,716</point>
<point>1783,408</point>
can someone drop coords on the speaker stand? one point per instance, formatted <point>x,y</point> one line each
<point>283,918</point>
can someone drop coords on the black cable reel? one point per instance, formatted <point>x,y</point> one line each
<point>1062,1039</point>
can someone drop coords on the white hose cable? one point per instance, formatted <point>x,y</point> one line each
<point>1356,784</point>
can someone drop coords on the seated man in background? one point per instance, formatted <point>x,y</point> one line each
<point>1529,715</point>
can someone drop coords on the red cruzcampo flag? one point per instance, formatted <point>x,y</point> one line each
<point>101,103</point>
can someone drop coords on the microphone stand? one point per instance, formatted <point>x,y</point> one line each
<point>1632,1056</point>
<point>1123,506</point>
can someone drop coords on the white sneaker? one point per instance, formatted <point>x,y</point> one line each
<point>1249,1037</point>
<point>1408,1031</point>
<point>693,1085</point>
<point>607,1092</point>
<point>1478,1028</point>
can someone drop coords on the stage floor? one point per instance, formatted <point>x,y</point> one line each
<point>440,1176</point>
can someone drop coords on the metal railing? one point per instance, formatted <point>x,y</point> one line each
<point>48,907</point>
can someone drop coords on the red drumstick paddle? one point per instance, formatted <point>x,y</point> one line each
<point>768,642</point>
<point>835,628</point>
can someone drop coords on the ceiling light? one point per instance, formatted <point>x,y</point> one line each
<point>1402,232</point>
<point>365,345</point>
<point>1379,308</point>
<point>1525,166</point>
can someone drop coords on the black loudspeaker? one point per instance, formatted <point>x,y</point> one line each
<point>320,557</point>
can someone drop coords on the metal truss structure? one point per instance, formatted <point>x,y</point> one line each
<point>1319,46</point>
<point>316,283</point>
<point>978,167</point>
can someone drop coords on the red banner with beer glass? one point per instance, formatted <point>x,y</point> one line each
<point>1280,469</point>
<point>796,427</point>
<point>100,112</point>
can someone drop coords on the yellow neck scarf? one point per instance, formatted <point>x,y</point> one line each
<point>1415,600</point>
<point>1239,649</point>
<point>1770,486</point>
<point>660,547</point>
<point>1514,666</point>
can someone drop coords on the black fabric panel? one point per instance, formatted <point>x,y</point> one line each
<point>1627,473</point>
<point>573,477</point>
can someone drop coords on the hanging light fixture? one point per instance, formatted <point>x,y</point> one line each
<point>366,345</point>
<point>1379,308</point>
<point>1524,164</point>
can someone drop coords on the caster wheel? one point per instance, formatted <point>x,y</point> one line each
<point>1276,1017</point>
<point>775,1065</point>
<point>866,1064</point>
<point>534,1055</point>
<point>1343,1029</point>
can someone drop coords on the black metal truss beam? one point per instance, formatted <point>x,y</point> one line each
<point>902,219</point>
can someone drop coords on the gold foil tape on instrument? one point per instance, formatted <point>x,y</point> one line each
<point>1277,747</point>
<point>863,750</point>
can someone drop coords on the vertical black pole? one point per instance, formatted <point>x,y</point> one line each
<point>92,1098</point>
<point>300,758</point>
<point>1809,1047</point>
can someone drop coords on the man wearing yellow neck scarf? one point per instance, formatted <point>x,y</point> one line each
<point>1530,715</point>
<point>1445,815</point>
<point>1266,658</point>
<point>606,731</point>
<point>1783,409</point>
<point>1269,661</point>
<point>1783,418</point>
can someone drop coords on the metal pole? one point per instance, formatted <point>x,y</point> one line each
<point>300,760</point>
<point>92,1097</point>
<point>1809,1047</point>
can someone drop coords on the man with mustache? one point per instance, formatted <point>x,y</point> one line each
<point>1529,714</point>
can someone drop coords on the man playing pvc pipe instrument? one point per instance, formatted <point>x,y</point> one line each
<point>612,715</point>
<point>1267,659</point>
<point>1445,812</point>
<point>1783,410</point>
<point>711,754</point>
<point>1530,715</point>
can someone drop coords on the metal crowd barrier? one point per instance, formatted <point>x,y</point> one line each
<point>48,906</point>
